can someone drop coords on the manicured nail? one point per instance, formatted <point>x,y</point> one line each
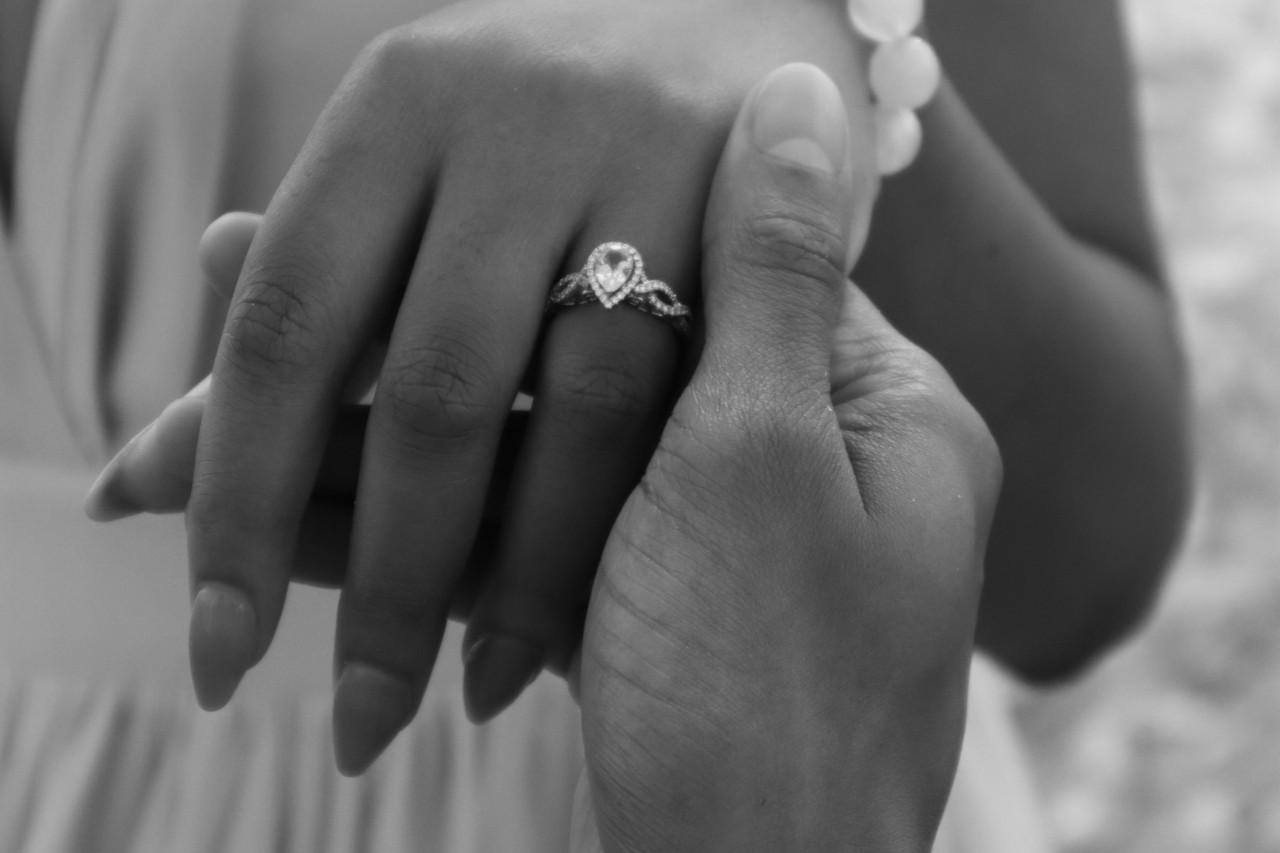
<point>499,668</point>
<point>798,118</point>
<point>370,707</point>
<point>108,498</point>
<point>224,642</point>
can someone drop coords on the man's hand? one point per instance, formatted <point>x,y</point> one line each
<point>778,640</point>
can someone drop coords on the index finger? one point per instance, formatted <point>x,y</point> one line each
<point>322,273</point>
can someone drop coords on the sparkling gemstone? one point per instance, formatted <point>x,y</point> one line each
<point>886,20</point>
<point>613,269</point>
<point>898,138</point>
<point>904,73</point>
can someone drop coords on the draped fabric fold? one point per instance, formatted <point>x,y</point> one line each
<point>121,149</point>
<point>125,769</point>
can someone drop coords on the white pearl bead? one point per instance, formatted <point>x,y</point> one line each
<point>886,20</point>
<point>898,138</point>
<point>904,73</point>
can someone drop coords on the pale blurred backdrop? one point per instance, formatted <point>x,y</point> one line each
<point>1173,745</point>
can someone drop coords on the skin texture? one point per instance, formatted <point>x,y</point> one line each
<point>774,650</point>
<point>777,642</point>
<point>342,259</point>
<point>1054,282</point>
<point>1016,250</point>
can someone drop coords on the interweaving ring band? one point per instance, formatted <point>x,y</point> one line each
<point>614,274</point>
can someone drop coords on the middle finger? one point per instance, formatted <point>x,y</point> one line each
<point>462,338</point>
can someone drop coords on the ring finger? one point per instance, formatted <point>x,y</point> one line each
<point>600,402</point>
<point>462,338</point>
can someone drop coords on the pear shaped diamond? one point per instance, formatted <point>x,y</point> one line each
<point>614,270</point>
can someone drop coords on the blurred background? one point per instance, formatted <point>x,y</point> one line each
<point>1173,744</point>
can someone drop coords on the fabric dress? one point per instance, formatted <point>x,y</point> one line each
<point>120,156</point>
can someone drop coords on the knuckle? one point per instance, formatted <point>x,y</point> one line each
<point>440,390</point>
<point>798,243</point>
<point>946,456</point>
<point>396,56</point>
<point>931,400</point>
<point>761,440</point>
<point>977,446</point>
<point>776,434</point>
<point>392,94</point>
<point>750,412</point>
<point>225,512</point>
<point>399,72</point>
<point>737,469</point>
<point>911,392</point>
<point>276,322</point>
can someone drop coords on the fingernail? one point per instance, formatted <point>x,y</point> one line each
<point>108,499</point>
<point>798,118</point>
<point>224,642</point>
<point>499,668</point>
<point>370,707</point>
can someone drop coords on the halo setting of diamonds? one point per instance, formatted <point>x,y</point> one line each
<point>614,274</point>
<point>614,270</point>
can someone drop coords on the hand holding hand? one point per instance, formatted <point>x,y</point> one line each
<point>468,161</point>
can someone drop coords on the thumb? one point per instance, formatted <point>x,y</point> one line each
<point>794,182</point>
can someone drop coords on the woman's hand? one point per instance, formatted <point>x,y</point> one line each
<point>467,162</point>
<point>778,640</point>
<point>153,472</point>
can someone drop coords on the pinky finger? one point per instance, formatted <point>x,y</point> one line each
<point>152,473</point>
<point>223,248</point>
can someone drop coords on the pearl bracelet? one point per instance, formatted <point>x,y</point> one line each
<point>904,75</point>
